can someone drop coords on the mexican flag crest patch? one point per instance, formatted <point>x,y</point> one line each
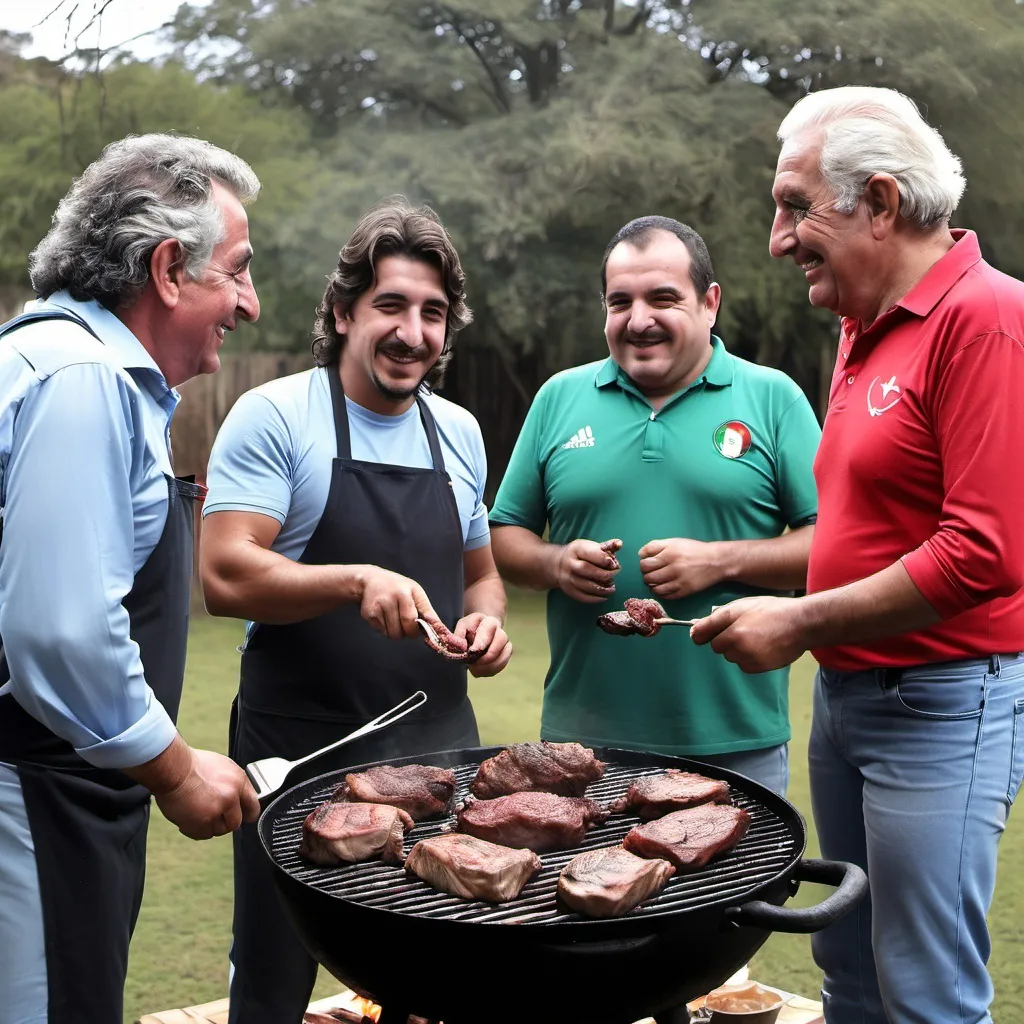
<point>732,439</point>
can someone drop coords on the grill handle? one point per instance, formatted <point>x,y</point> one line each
<point>851,887</point>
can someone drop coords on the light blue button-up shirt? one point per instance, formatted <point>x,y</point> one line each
<point>84,449</point>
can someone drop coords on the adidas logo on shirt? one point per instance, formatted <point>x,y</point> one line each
<point>583,438</point>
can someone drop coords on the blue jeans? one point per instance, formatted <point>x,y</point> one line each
<point>912,777</point>
<point>769,766</point>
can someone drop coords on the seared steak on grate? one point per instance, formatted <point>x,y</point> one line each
<point>563,768</point>
<point>610,882</point>
<point>420,790</point>
<point>472,868</point>
<point>672,790</point>
<point>337,831</point>
<point>532,821</point>
<point>690,838</point>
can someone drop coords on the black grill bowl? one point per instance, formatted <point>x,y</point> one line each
<point>415,950</point>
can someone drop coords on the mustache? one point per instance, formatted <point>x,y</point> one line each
<point>646,337</point>
<point>395,347</point>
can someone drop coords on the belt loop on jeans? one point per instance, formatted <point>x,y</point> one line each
<point>993,665</point>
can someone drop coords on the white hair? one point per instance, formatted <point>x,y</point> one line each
<point>139,192</point>
<point>868,130</point>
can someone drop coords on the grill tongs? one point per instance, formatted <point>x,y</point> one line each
<point>269,773</point>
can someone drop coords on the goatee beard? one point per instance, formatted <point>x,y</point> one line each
<point>392,393</point>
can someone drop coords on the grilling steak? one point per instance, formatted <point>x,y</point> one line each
<point>472,868</point>
<point>420,790</point>
<point>339,832</point>
<point>690,838</point>
<point>532,821</point>
<point>610,882</point>
<point>563,768</point>
<point>672,790</point>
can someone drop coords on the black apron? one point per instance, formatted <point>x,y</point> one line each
<point>307,684</point>
<point>89,824</point>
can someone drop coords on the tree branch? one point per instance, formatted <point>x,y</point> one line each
<point>500,97</point>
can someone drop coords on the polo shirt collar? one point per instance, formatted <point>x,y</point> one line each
<point>115,335</point>
<point>927,293</point>
<point>718,373</point>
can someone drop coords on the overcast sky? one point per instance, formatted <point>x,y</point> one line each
<point>121,20</point>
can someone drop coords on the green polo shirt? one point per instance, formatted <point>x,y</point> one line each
<point>729,458</point>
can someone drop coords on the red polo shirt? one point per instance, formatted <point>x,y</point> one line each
<point>919,461</point>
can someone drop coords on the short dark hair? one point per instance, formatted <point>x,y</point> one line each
<point>639,233</point>
<point>392,227</point>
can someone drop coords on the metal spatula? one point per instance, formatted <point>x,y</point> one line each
<point>269,773</point>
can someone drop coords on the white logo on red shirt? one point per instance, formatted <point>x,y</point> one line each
<point>880,395</point>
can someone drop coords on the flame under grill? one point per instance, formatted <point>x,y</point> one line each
<point>767,850</point>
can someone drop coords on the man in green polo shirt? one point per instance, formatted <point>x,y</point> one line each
<point>698,462</point>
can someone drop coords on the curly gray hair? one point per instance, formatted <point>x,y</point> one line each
<point>138,193</point>
<point>868,130</point>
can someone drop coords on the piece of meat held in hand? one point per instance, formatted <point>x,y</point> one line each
<point>563,768</point>
<point>645,612</point>
<point>443,641</point>
<point>689,839</point>
<point>418,789</point>
<point>671,790</point>
<point>472,868</point>
<point>531,821</point>
<point>338,832</point>
<point>610,882</point>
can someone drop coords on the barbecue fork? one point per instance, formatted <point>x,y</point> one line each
<point>269,773</point>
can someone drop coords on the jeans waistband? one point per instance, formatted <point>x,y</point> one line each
<point>889,677</point>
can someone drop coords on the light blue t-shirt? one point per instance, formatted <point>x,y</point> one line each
<point>275,450</point>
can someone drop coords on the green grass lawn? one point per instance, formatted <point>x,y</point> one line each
<point>179,954</point>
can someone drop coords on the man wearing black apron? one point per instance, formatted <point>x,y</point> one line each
<point>95,570</point>
<point>373,517</point>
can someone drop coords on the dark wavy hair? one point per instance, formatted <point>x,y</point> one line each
<point>392,227</point>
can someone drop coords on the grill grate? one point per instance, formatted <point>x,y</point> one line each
<point>768,848</point>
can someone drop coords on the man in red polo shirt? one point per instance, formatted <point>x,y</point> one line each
<point>914,609</point>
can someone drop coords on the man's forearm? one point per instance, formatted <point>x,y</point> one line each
<point>166,771</point>
<point>486,596</point>
<point>885,604</point>
<point>524,558</point>
<point>270,588</point>
<point>774,563</point>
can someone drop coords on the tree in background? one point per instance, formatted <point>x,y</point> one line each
<point>536,128</point>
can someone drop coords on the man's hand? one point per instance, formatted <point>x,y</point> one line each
<point>392,603</point>
<point>485,633</point>
<point>678,566</point>
<point>586,570</point>
<point>756,633</point>
<point>214,797</point>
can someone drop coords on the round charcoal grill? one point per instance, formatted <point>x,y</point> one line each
<point>416,950</point>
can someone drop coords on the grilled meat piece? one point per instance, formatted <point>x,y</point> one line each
<point>610,882</point>
<point>532,821</point>
<point>672,790</point>
<point>563,768</point>
<point>640,617</point>
<point>472,868</point>
<point>420,790</point>
<point>450,646</point>
<point>339,832</point>
<point>644,611</point>
<point>618,623</point>
<point>690,838</point>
